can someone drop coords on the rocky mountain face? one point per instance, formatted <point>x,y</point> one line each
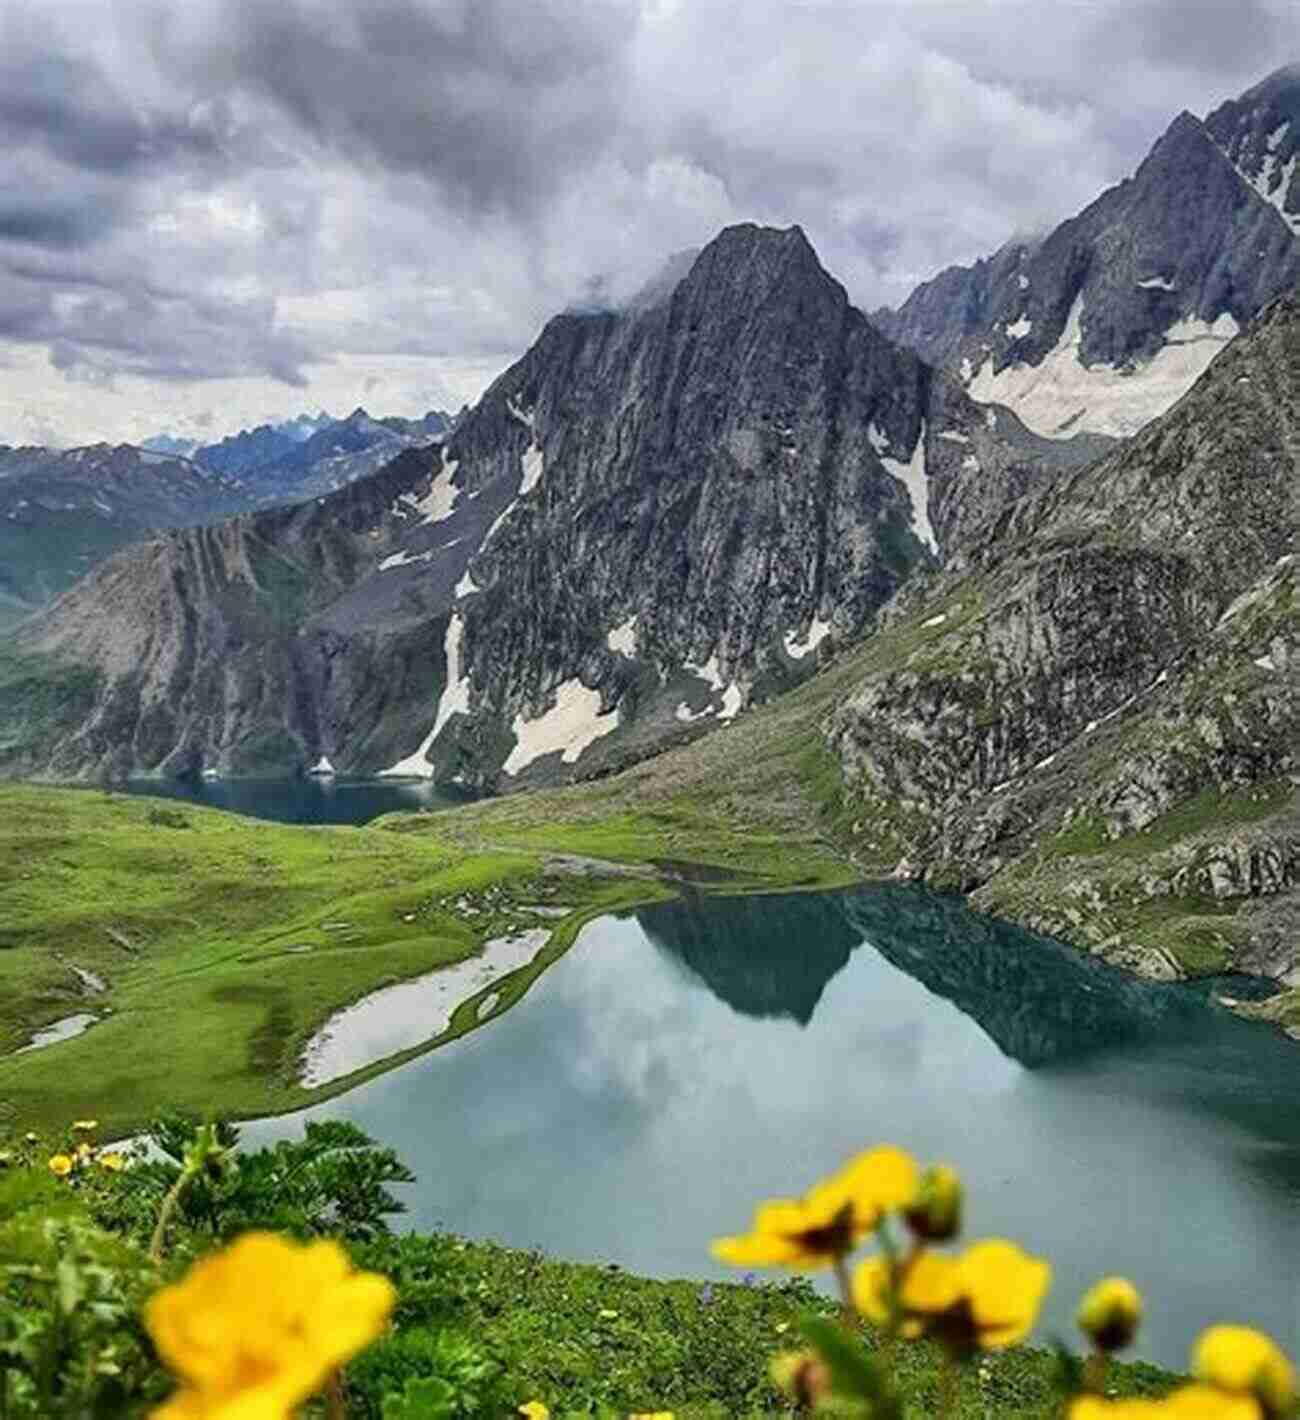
<point>1111,318</point>
<point>654,518</point>
<point>64,510</point>
<point>1092,720</point>
<point>1260,135</point>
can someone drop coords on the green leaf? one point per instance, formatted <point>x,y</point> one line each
<point>853,1372</point>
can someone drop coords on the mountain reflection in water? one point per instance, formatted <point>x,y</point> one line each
<point>1039,1001</point>
<point>680,1063</point>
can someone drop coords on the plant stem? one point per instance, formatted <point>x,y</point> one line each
<point>1094,1373</point>
<point>164,1216</point>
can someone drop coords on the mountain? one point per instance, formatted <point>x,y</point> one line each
<point>308,456</point>
<point>1260,134</point>
<point>1092,720</point>
<point>1110,319</point>
<point>64,510</point>
<point>1088,720</point>
<point>653,518</point>
<point>334,454</point>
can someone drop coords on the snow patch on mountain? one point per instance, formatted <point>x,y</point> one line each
<point>797,647</point>
<point>1059,396</point>
<point>437,503</point>
<point>711,672</point>
<point>453,701</point>
<point>532,470</point>
<point>1273,182</point>
<point>403,559</point>
<point>1020,328</point>
<point>572,724</point>
<point>1157,283</point>
<point>524,416</point>
<point>622,639</point>
<point>915,479</point>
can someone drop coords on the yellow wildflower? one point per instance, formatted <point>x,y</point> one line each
<point>1109,1313</point>
<point>112,1161</point>
<point>652,1415</point>
<point>534,1410</point>
<point>1205,1402</point>
<point>829,1219</point>
<point>930,1286</point>
<point>1245,1362</point>
<point>934,1212</point>
<point>256,1329</point>
<point>987,1298</point>
<point>84,1153</point>
<point>85,1126</point>
<point>62,1164</point>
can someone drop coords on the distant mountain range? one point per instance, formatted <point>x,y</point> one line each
<point>1107,321</point>
<point>63,510</point>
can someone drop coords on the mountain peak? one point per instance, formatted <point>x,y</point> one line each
<point>746,264</point>
<point>1186,130</point>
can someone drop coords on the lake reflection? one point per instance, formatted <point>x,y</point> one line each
<point>682,1063</point>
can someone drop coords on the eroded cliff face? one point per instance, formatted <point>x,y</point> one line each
<point>654,519</point>
<point>1094,720</point>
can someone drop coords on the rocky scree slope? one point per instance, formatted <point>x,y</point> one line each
<point>1111,318</point>
<point>652,519</point>
<point>1092,721</point>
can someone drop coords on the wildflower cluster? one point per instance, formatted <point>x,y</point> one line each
<point>80,1153</point>
<point>984,1298</point>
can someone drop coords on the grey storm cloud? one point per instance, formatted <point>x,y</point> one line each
<point>489,98</point>
<point>199,188</point>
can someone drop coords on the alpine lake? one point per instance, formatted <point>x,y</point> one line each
<point>686,1060</point>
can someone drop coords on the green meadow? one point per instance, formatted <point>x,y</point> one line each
<point>224,942</point>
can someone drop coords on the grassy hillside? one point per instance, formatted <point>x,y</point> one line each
<point>223,942</point>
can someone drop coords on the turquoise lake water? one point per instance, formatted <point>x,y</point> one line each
<point>686,1060</point>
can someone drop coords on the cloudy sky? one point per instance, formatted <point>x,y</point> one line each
<point>215,212</point>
